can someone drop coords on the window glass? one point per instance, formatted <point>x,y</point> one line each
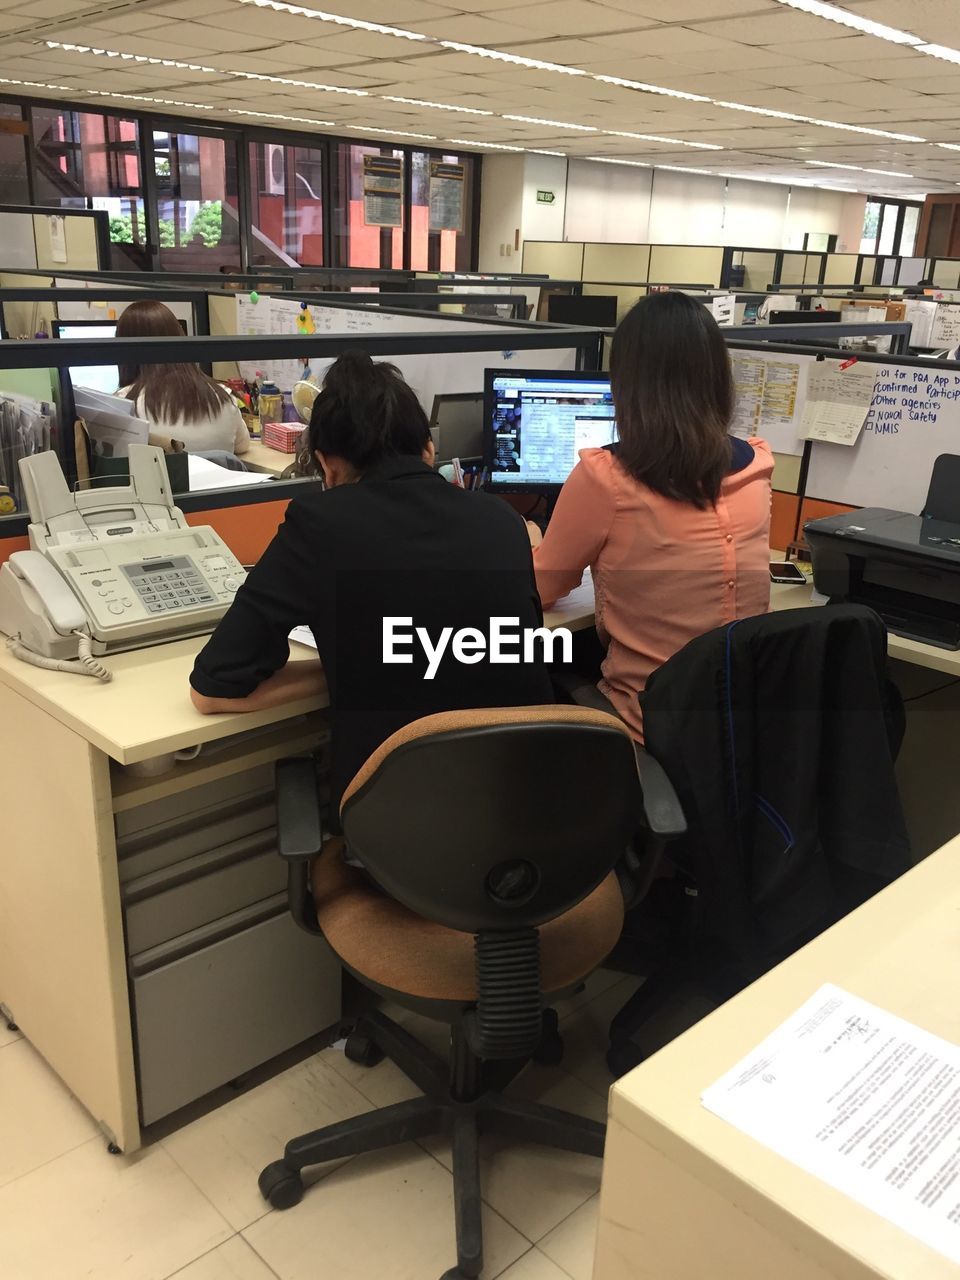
<point>85,159</point>
<point>368,202</point>
<point>908,236</point>
<point>871,227</point>
<point>888,228</point>
<point>13,160</point>
<point>196,201</point>
<point>441,233</point>
<point>286,209</point>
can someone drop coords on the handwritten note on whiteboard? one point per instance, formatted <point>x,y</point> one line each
<point>864,1100</point>
<point>945,331</point>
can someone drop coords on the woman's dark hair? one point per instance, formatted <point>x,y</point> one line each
<point>364,412</point>
<point>171,392</point>
<point>674,396</point>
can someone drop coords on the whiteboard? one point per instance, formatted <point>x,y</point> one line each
<point>430,374</point>
<point>914,417</point>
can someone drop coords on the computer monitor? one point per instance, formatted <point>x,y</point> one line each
<point>599,309</point>
<point>804,317</point>
<point>536,422</point>
<point>105,378</point>
<point>456,425</point>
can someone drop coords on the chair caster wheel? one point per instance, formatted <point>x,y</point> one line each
<point>113,1149</point>
<point>362,1050</point>
<point>281,1186</point>
<point>549,1051</point>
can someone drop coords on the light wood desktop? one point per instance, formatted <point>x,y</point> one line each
<point>688,1197</point>
<point>260,457</point>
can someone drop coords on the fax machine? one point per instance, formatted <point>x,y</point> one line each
<point>905,567</point>
<point>110,568</point>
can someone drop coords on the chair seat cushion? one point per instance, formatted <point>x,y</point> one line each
<point>381,940</point>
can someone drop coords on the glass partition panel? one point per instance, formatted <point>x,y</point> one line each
<point>196,201</point>
<point>368,198</point>
<point>441,212</point>
<point>286,205</point>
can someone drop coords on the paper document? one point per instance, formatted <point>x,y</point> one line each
<point>303,635</point>
<point>723,308</point>
<point>864,1100</point>
<point>863,315</point>
<point>945,330</point>
<point>838,399</point>
<point>769,393</point>
<point>205,474</point>
<point>920,315</point>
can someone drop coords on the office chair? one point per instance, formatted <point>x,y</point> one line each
<point>493,835</point>
<point>778,736</point>
<point>943,496</point>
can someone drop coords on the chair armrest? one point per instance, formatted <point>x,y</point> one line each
<point>299,815</point>
<point>662,810</point>
<point>299,833</point>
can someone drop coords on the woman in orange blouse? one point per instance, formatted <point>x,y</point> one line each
<point>674,519</point>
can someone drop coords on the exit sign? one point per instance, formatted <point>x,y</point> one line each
<point>546,197</point>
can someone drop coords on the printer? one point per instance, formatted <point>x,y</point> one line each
<point>905,567</point>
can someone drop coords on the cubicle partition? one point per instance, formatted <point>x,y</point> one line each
<point>35,236</point>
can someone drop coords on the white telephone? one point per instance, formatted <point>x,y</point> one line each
<point>110,569</point>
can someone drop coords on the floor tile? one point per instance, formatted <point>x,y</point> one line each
<point>224,1151</point>
<point>92,1216</point>
<point>39,1117</point>
<point>536,1187</point>
<point>385,1083</point>
<point>534,1266</point>
<point>599,981</point>
<point>388,1214</point>
<point>586,1035</point>
<point>572,1244</point>
<point>233,1260</point>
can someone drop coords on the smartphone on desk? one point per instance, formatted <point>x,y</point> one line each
<point>786,571</point>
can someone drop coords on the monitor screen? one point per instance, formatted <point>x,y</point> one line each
<point>536,423</point>
<point>587,309</point>
<point>104,378</point>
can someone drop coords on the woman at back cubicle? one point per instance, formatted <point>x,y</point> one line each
<point>178,399</point>
<point>674,519</point>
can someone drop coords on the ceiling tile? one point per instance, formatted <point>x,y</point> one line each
<point>572,18</point>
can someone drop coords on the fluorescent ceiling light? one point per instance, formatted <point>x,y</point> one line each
<point>949,146</point>
<point>553,124</point>
<point>436,106</point>
<point>534,64</point>
<point>394,133</point>
<point>825,124</point>
<point>132,57</point>
<point>890,173</point>
<point>676,168</point>
<point>656,137</point>
<point>40,84</point>
<point>487,146</point>
<point>940,51</point>
<point>537,151</point>
<point>651,88</point>
<point>357,23</point>
<point>830,164</point>
<point>147,97</point>
<point>820,10</point>
<point>271,115</point>
<point>298,84</point>
<point>634,164</point>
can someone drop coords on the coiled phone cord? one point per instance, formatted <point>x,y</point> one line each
<point>85,664</point>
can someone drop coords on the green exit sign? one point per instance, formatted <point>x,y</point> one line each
<point>546,197</point>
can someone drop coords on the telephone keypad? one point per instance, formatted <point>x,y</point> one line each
<point>177,585</point>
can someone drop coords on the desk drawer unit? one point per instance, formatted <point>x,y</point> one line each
<point>221,977</point>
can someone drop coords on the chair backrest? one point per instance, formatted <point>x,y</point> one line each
<point>943,496</point>
<point>495,819</point>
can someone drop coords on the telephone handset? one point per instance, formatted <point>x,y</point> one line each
<point>49,598</point>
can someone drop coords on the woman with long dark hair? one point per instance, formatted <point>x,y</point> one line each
<point>178,398</point>
<point>674,519</point>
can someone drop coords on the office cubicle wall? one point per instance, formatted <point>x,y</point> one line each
<point>35,237</point>
<point>759,268</point>
<point>616,262</point>
<point>557,259</point>
<point>624,263</point>
<point>841,268</point>
<point>685,264</point>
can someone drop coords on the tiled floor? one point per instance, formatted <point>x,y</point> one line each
<point>188,1206</point>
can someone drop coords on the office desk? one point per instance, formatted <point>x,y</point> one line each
<point>687,1197</point>
<point>86,956</point>
<point>261,458</point>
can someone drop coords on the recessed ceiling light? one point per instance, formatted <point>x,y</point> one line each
<point>394,133</point>
<point>656,137</point>
<point>272,115</point>
<point>538,151</point>
<point>940,51</point>
<point>535,64</point>
<point>132,57</point>
<point>949,146</point>
<point>298,84</point>
<point>820,10</point>
<point>40,84</point>
<point>889,173</point>
<point>642,87</point>
<point>633,164</point>
<point>826,124</point>
<point>436,106</point>
<point>487,146</point>
<point>338,19</point>
<point>147,97</point>
<point>676,168</point>
<point>553,124</point>
<point>830,164</point>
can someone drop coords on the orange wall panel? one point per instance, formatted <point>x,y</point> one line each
<point>246,530</point>
<point>783,519</point>
<point>9,545</point>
